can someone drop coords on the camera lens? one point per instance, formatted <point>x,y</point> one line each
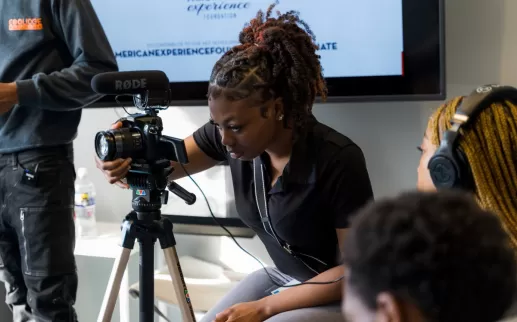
<point>119,143</point>
<point>105,145</point>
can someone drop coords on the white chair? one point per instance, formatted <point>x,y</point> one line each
<point>207,283</point>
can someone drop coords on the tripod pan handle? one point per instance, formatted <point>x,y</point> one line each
<point>179,191</point>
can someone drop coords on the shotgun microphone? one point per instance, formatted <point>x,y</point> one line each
<point>130,83</point>
<point>148,87</point>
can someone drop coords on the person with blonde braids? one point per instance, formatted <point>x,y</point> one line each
<point>489,146</point>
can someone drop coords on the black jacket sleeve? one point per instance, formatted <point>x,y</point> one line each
<point>351,186</point>
<point>76,24</point>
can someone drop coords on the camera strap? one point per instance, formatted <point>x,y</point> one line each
<point>260,197</point>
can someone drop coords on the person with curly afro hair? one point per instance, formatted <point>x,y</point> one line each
<point>428,256</point>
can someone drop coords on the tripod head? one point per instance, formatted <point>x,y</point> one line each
<point>149,183</point>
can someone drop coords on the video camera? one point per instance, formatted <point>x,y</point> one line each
<point>140,137</point>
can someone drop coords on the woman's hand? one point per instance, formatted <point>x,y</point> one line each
<point>115,170</point>
<point>244,312</point>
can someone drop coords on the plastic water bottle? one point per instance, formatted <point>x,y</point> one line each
<point>85,220</point>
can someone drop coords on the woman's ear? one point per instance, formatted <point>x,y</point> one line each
<point>279,109</point>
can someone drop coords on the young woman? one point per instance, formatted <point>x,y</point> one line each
<point>489,147</point>
<point>303,177</point>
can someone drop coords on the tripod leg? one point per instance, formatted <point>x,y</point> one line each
<point>168,244</point>
<point>113,287</point>
<point>180,287</point>
<point>117,274</point>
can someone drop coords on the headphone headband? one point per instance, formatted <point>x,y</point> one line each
<point>448,166</point>
<point>481,98</point>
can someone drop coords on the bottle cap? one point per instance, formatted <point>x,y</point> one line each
<point>82,172</point>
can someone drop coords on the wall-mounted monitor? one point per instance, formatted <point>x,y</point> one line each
<point>371,50</point>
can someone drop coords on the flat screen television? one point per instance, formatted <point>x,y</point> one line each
<point>371,50</point>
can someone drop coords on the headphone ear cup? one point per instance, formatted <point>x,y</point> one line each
<point>443,170</point>
<point>466,178</point>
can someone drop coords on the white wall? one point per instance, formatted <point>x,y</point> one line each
<point>481,48</point>
<point>509,43</point>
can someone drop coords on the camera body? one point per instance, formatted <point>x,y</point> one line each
<point>140,138</point>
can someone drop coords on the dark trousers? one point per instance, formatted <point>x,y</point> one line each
<point>37,235</point>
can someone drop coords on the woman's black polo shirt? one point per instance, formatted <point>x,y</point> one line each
<point>325,181</point>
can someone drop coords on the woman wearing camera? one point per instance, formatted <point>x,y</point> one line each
<point>308,178</point>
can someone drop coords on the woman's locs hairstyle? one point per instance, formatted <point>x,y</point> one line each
<point>276,58</point>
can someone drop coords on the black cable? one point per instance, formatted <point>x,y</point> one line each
<point>244,250</point>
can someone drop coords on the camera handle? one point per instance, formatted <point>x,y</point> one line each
<point>146,225</point>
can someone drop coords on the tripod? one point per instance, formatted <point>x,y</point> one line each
<point>146,225</point>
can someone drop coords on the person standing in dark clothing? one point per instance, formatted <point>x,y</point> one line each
<point>49,51</point>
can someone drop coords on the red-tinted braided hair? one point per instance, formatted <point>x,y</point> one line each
<point>277,56</point>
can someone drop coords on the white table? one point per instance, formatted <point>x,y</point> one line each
<point>106,244</point>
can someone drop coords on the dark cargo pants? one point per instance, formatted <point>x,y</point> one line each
<point>37,235</point>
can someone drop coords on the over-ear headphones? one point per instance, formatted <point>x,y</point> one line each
<point>449,167</point>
